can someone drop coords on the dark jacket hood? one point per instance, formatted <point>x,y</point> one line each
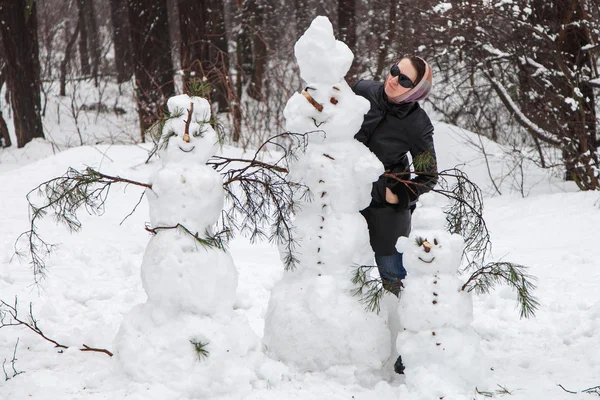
<point>399,110</point>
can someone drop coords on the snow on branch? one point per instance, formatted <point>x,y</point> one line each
<point>533,128</point>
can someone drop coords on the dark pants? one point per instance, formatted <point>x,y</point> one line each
<point>392,271</point>
<point>386,225</point>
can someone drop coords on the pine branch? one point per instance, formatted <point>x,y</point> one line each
<point>502,391</point>
<point>371,290</point>
<point>210,241</point>
<point>594,390</point>
<point>64,196</point>
<point>200,349</point>
<point>11,313</point>
<point>465,217</point>
<point>260,199</point>
<point>513,275</point>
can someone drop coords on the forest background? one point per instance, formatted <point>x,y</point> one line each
<point>523,73</point>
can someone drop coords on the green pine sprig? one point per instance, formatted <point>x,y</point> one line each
<point>200,348</point>
<point>369,290</point>
<point>484,279</point>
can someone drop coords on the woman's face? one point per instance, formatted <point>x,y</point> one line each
<point>392,87</point>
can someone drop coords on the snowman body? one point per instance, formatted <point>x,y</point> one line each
<point>439,348</point>
<point>313,321</point>
<point>186,335</point>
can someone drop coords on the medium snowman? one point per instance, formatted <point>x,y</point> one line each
<point>313,321</point>
<point>186,335</point>
<point>438,346</point>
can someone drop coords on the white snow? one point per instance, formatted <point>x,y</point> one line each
<point>93,281</point>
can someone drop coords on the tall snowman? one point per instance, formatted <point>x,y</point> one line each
<point>312,321</point>
<point>439,348</point>
<point>186,335</point>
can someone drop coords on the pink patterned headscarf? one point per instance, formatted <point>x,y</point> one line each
<point>420,91</point>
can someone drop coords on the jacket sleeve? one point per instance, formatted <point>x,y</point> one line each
<point>424,166</point>
<point>360,87</point>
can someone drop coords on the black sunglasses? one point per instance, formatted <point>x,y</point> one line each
<point>403,80</point>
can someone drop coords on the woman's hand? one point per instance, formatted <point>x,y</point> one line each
<point>390,197</point>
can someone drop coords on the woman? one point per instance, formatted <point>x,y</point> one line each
<point>394,126</point>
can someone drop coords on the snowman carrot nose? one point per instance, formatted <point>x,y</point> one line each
<point>427,246</point>
<point>312,101</point>
<point>186,133</point>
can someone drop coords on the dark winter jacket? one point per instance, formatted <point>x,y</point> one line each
<point>391,131</point>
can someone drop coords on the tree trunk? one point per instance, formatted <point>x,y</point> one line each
<point>194,50</point>
<point>4,134</point>
<point>121,39</point>
<point>66,59</point>
<point>347,31</point>
<point>243,65</point>
<point>204,51</point>
<point>94,38</point>
<point>84,54</point>
<point>19,35</point>
<point>256,12</point>
<point>389,37</point>
<point>577,126</point>
<point>153,66</point>
<point>303,14</point>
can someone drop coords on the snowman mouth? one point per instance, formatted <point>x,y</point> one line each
<point>427,262</point>
<point>187,151</point>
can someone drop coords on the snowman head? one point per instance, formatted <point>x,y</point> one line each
<point>431,252</point>
<point>187,136</point>
<point>331,108</point>
<point>321,58</point>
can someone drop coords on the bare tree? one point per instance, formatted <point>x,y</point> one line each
<point>153,66</point>
<point>204,52</point>
<point>121,39</point>
<point>19,35</point>
<point>256,13</point>
<point>93,36</point>
<point>84,54</point>
<point>347,30</point>
<point>538,58</point>
<point>67,57</point>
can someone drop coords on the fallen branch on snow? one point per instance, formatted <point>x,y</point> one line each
<point>14,320</point>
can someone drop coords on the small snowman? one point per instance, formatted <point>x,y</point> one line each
<point>313,321</point>
<point>438,346</point>
<point>186,335</point>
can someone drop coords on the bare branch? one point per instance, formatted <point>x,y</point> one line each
<point>32,325</point>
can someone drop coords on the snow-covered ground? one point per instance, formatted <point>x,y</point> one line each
<point>94,279</point>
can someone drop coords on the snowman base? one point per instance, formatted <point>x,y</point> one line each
<point>321,325</point>
<point>157,346</point>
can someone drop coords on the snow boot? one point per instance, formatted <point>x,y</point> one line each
<point>398,366</point>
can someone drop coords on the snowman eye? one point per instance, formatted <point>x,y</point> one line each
<point>435,242</point>
<point>197,134</point>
